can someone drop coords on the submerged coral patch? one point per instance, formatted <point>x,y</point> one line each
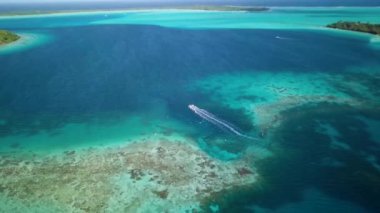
<point>172,175</point>
<point>276,92</point>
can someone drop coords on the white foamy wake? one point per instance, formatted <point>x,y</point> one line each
<point>217,121</point>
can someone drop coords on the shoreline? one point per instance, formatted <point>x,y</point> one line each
<point>367,28</point>
<point>31,14</point>
<point>226,8</point>
<point>8,37</point>
<point>27,40</point>
<point>22,39</point>
<point>99,12</point>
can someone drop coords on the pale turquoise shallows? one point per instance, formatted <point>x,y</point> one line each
<point>27,41</point>
<point>276,18</point>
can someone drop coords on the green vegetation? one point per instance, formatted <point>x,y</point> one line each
<point>357,26</point>
<point>7,37</point>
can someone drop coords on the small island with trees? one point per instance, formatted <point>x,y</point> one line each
<point>356,26</point>
<point>7,37</point>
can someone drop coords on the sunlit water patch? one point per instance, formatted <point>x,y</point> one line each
<point>98,133</point>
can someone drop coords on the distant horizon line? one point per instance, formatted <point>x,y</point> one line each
<point>303,4</point>
<point>202,2</point>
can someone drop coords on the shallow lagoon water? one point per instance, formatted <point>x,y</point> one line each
<point>27,40</point>
<point>117,85</point>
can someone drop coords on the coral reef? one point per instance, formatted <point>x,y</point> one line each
<point>263,96</point>
<point>139,177</point>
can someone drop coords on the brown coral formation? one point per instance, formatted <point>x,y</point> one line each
<point>145,176</point>
<point>162,194</point>
<point>244,171</point>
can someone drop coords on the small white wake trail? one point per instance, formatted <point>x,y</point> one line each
<point>217,121</point>
<point>283,38</point>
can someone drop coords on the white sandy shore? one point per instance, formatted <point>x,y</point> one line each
<point>23,40</point>
<point>105,12</point>
<point>26,41</point>
<point>132,10</point>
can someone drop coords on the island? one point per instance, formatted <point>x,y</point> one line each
<point>225,8</point>
<point>357,26</point>
<point>222,8</point>
<point>7,37</point>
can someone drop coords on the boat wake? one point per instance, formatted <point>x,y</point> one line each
<point>283,38</point>
<point>217,121</point>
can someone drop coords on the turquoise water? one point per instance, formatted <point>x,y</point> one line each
<point>277,17</point>
<point>78,82</point>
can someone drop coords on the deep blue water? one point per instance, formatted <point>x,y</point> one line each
<point>94,70</point>
<point>126,68</point>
